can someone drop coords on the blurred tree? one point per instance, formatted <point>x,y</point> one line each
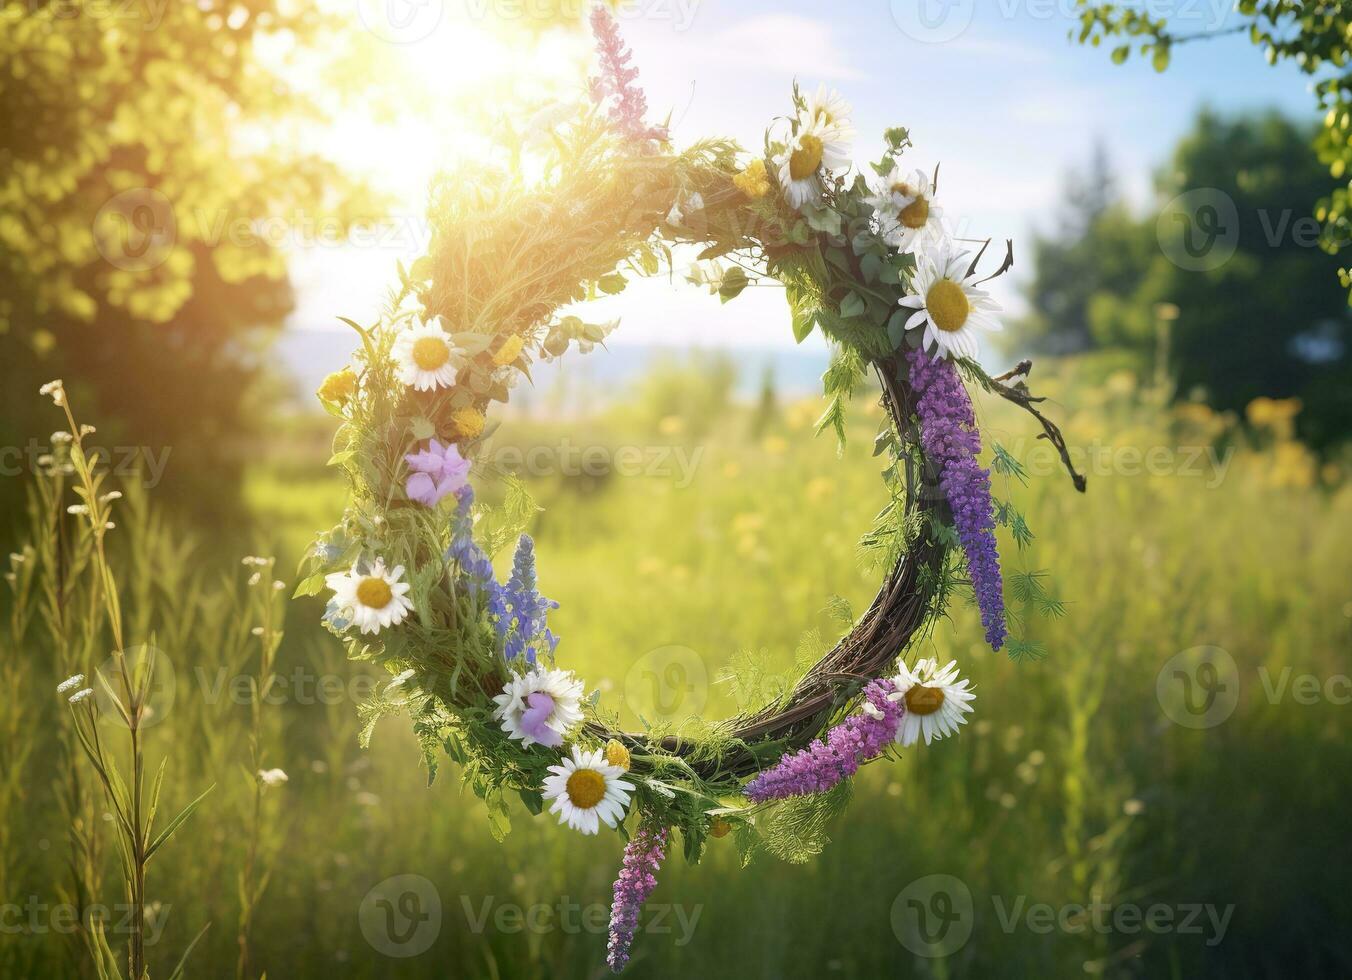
<point>148,156</point>
<point>1096,248</point>
<point>1227,278</point>
<point>1315,36</point>
<point>1269,319</point>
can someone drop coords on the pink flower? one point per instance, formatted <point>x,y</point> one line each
<point>437,471</point>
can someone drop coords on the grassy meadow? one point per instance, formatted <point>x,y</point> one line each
<point>1080,827</point>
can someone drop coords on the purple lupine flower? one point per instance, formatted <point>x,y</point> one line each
<point>638,877</point>
<point>473,562</point>
<point>950,439</point>
<point>437,471</point>
<point>616,83</point>
<point>522,620</point>
<point>849,745</point>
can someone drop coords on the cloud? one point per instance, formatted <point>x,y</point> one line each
<point>787,43</point>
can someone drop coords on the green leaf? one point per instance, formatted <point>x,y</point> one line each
<point>803,322</point>
<point>309,586</point>
<point>178,973</point>
<point>896,326</point>
<point>734,281</point>
<point>1160,60</point>
<point>852,305</point>
<point>821,219</point>
<point>611,284</point>
<point>174,824</point>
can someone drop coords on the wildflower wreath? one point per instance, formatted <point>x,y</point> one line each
<point>409,567</point>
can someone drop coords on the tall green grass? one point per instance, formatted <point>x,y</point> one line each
<point>1071,787</point>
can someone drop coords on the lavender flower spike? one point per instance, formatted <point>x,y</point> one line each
<point>950,439</point>
<point>638,877</point>
<point>618,81</point>
<point>822,765</point>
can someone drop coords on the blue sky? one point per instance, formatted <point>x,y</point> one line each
<point>993,90</point>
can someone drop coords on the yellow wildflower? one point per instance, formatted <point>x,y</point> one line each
<point>509,351</point>
<point>339,386</point>
<point>467,422</point>
<point>753,181</point>
<point>617,754</point>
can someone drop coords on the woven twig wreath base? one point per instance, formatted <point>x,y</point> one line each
<point>896,613</point>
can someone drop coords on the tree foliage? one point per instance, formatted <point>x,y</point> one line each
<point>1315,36</point>
<point>1266,318</point>
<point>149,155</point>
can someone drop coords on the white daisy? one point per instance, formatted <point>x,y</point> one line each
<point>907,210</point>
<point>800,163</point>
<point>587,791</point>
<point>829,113</point>
<point>935,701</point>
<point>947,302</point>
<point>272,777</point>
<point>425,357</point>
<point>540,706</point>
<point>372,600</point>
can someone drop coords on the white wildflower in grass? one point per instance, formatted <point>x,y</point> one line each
<point>371,600</point>
<point>906,210</point>
<point>75,680</point>
<point>272,777</point>
<point>79,696</point>
<point>947,302</point>
<point>56,389</point>
<point>587,791</point>
<point>936,700</point>
<point>425,358</point>
<point>540,706</point>
<point>61,438</point>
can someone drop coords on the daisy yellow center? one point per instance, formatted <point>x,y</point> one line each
<point>374,592</point>
<point>430,353</point>
<point>586,788</point>
<point>915,214</point>
<point>947,305</point>
<point>807,158</point>
<point>924,700</point>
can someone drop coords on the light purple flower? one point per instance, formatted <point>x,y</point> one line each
<point>638,877</point>
<point>437,472</point>
<point>823,764</point>
<point>534,718</point>
<point>951,442</point>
